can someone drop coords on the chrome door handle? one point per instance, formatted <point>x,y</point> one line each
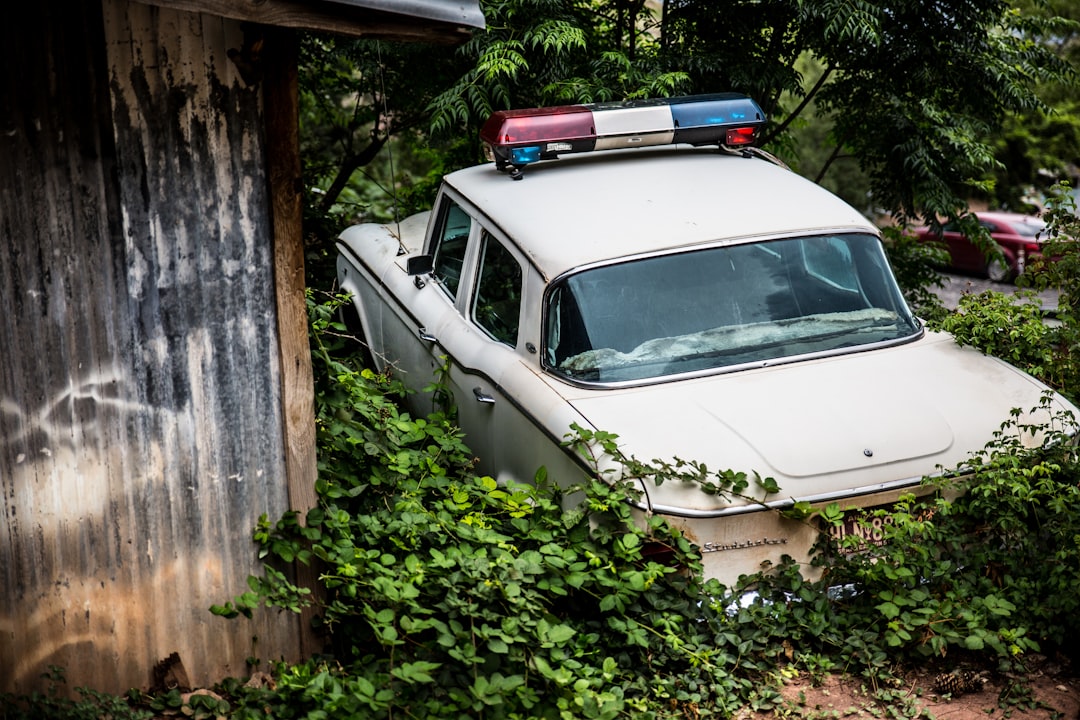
<point>426,336</point>
<point>482,397</point>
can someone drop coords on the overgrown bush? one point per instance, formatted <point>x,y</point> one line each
<point>444,594</point>
<point>990,571</point>
<point>987,571</point>
<point>447,594</point>
<point>53,704</point>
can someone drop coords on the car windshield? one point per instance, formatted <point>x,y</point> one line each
<point>724,307</point>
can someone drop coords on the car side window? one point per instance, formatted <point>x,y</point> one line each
<point>451,241</point>
<point>497,302</point>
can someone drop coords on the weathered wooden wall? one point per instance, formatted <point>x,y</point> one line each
<point>140,388</point>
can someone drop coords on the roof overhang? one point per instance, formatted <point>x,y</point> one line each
<point>441,21</point>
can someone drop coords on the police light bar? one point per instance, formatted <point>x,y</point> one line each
<point>519,137</point>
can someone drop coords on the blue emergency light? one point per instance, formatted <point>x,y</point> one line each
<point>519,137</point>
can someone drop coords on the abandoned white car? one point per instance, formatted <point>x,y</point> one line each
<point>638,268</point>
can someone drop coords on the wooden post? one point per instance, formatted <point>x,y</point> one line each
<point>281,104</point>
<point>277,50</point>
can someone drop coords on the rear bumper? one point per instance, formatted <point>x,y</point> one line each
<point>759,537</point>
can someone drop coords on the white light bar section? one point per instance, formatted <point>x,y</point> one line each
<point>633,126</point>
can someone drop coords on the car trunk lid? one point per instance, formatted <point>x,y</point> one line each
<point>820,427</point>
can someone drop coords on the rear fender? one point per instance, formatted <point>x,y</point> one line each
<point>355,316</point>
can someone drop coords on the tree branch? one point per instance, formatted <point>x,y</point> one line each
<point>824,168</point>
<point>349,165</point>
<point>802,106</point>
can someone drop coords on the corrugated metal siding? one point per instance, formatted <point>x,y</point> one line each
<point>140,430</point>
<point>462,12</point>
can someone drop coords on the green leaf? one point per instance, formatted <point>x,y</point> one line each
<point>889,609</point>
<point>415,672</point>
<point>558,634</point>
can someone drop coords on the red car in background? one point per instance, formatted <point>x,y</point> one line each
<point>1019,237</point>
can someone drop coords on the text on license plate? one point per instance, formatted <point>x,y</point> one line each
<point>865,524</point>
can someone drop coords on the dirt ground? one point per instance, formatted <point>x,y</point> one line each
<point>1049,693</point>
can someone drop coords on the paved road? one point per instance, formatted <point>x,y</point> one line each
<point>956,285</point>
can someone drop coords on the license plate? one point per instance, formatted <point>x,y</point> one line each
<point>865,524</point>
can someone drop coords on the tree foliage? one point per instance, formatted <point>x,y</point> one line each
<point>363,101</point>
<point>913,88</point>
<point>914,92</point>
<point>1039,147</point>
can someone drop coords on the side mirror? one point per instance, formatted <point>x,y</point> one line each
<point>419,265</point>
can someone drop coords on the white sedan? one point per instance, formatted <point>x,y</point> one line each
<point>637,268</point>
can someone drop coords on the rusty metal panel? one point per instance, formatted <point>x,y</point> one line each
<point>140,418</point>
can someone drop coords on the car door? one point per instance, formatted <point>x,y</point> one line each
<point>465,315</point>
<point>964,253</point>
<point>427,303</point>
<point>481,344</point>
<point>468,314</point>
<point>1003,236</point>
<point>514,420</point>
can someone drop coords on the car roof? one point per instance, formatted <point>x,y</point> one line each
<point>1008,217</point>
<point>593,207</point>
<point>1000,215</point>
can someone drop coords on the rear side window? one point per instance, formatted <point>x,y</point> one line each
<point>497,303</point>
<point>451,241</point>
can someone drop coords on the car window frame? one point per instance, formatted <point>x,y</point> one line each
<point>438,238</point>
<point>1022,227</point>
<point>480,223</point>
<point>485,238</point>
